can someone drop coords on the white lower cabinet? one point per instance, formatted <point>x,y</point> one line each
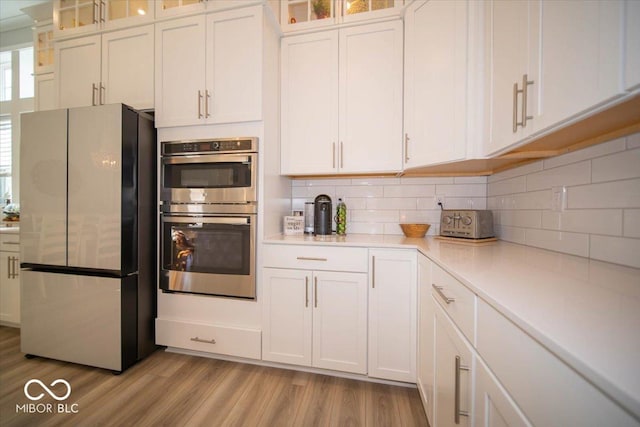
<point>493,405</point>
<point>9,279</point>
<point>453,374</point>
<point>315,318</point>
<point>426,324</point>
<point>392,314</point>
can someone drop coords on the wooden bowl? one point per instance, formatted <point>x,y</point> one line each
<point>415,230</point>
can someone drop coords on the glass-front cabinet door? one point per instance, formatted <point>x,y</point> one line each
<point>77,16</point>
<point>43,50</point>
<point>122,9</point>
<point>300,14</point>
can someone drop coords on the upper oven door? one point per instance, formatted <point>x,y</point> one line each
<point>209,178</point>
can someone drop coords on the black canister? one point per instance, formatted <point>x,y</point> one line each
<point>322,218</point>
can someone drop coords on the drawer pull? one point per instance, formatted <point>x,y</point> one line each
<point>196,339</point>
<point>309,258</point>
<point>456,403</point>
<point>10,243</point>
<point>439,289</point>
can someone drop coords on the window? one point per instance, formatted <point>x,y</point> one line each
<point>16,97</point>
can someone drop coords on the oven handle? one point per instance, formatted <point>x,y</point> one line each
<point>209,158</point>
<point>242,220</point>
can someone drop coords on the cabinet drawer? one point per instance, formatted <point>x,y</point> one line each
<point>217,339</point>
<point>9,242</point>
<point>316,257</point>
<point>461,305</point>
<point>549,392</point>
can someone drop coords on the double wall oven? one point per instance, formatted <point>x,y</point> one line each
<point>208,222</point>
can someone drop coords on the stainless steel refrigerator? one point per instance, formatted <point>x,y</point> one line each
<point>88,231</point>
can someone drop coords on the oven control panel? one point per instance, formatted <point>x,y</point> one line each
<point>208,146</point>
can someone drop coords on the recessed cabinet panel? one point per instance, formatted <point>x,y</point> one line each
<point>127,67</point>
<point>309,103</point>
<point>370,118</point>
<point>77,65</point>
<point>180,71</point>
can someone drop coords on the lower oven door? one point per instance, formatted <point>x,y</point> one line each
<point>209,254</point>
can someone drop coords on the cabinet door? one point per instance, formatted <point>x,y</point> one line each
<point>453,389</point>
<point>309,103</point>
<point>286,316</point>
<point>435,91</point>
<point>127,67</point>
<point>180,71</point>
<point>493,405</point>
<point>426,344</point>
<point>234,66</point>
<point>120,13</point>
<point>370,114</point>
<point>632,44</point>
<point>77,71</point>
<point>9,288</point>
<point>340,321</point>
<point>582,57</point>
<point>392,314</point>
<point>513,51</point>
<point>45,92</point>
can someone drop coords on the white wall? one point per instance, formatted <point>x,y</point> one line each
<point>378,205</point>
<point>602,216</point>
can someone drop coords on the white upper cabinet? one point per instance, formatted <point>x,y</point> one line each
<point>342,101</point>
<point>77,71</point>
<point>512,64</point>
<point>114,67</point>
<point>582,58</point>
<point>209,68</point>
<point>439,81</point>
<point>632,45</point>
<point>71,17</point>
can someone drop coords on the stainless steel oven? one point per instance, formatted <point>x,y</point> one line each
<point>208,222</point>
<point>206,253</point>
<point>209,171</point>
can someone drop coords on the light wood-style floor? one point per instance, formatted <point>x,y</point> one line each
<point>168,389</point>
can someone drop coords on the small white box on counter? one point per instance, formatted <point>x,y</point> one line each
<point>293,225</point>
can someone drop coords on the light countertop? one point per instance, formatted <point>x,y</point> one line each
<point>14,229</point>
<point>584,311</point>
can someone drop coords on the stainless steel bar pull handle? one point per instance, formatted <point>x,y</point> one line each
<point>341,155</point>
<point>206,104</point>
<point>8,267</point>
<point>516,91</point>
<point>439,291</point>
<point>333,156</point>
<point>373,272</point>
<point>456,402</point>
<point>306,291</point>
<point>309,258</point>
<point>196,339</point>
<point>103,94</point>
<point>406,148</point>
<point>315,292</point>
<point>199,104</point>
<point>96,11</point>
<point>94,90</point>
<point>102,11</point>
<point>525,84</point>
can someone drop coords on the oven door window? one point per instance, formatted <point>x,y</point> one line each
<point>207,175</point>
<point>207,248</point>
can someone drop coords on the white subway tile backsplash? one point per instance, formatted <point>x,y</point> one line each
<point>618,250</point>
<point>508,186</point>
<point>519,171</point>
<point>409,190</point>
<point>633,141</point>
<point>462,190</point>
<point>573,174</point>
<point>559,241</point>
<point>588,153</point>
<point>523,218</point>
<point>592,221</point>
<point>617,166</point>
<point>391,203</point>
<point>618,194</point>
<point>601,219</point>
<point>631,225</point>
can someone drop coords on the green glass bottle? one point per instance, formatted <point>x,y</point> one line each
<point>341,218</point>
